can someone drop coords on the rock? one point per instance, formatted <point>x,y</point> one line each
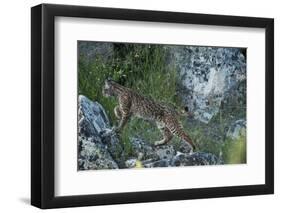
<point>93,155</point>
<point>165,152</point>
<point>94,123</point>
<point>237,129</point>
<point>114,146</point>
<point>181,159</point>
<point>131,163</point>
<point>184,148</point>
<point>92,119</point>
<point>167,155</point>
<point>101,50</point>
<point>195,159</point>
<point>142,150</point>
<point>99,147</point>
<point>209,76</point>
<point>159,163</point>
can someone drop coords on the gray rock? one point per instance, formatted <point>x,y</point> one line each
<point>159,163</point>
<point>195,159</point>
<point>184,148</point>
<point>167,155</point>
<point>94,123</point>
<point>92,119</point>
<point>131,163</point>
<point>165,152</point>
<point>100,50</point>
<point>142,150</point>
<point>209,76</point>
<point>237,129</point>
<point>181,159</point>
<point>93,155</point>
<point>114,147</point>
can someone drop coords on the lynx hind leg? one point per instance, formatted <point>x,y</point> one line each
<point>176,129</point>
<point>167,136</point>
<point>117,112</point>
<point>118,115</point>
<point>187,139</point>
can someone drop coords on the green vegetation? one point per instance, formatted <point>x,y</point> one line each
<point>144,68</point>
<point>235,151</point>
<point>141,67</point>
<point>211,137</point>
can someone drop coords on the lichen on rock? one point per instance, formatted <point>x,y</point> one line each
<point>209,76</point>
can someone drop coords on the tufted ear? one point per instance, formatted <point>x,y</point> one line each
<point>109,79</point>
<point>111,82</point>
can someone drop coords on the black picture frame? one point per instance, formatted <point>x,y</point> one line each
<point>43,102</point>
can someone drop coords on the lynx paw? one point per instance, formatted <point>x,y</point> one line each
<point>159,143</point>
<point>115,129</point>
<point>106,132</point>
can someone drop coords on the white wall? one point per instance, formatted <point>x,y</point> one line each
<point>15,105</point>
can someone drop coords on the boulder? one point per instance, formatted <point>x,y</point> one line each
<point>168,155</point>
<point>209,77</point>
<point>94,155</point>
<point>94,123</point>
<point>90,52</point>
<point>237,129</point>
<point>114,146</point>
<point>92,119</point>
<point>165,152</point>
<point>131,163</point>
<point>159,163</point>
<point>141,149</point>
<point>195,159</point>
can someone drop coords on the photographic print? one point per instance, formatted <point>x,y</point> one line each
<point>160,105</point>
<point>182,100</point>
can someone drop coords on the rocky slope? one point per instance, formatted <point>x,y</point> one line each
<point>100,148</point>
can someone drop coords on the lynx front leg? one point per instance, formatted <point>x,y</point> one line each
<point>117,112</point>
<point>123,111</point>
<point>167,136</point>
<point>122,123</point>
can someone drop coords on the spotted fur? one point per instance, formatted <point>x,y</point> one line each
<point>131,103</point>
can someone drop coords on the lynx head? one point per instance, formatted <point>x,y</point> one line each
<point>108,89</point>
